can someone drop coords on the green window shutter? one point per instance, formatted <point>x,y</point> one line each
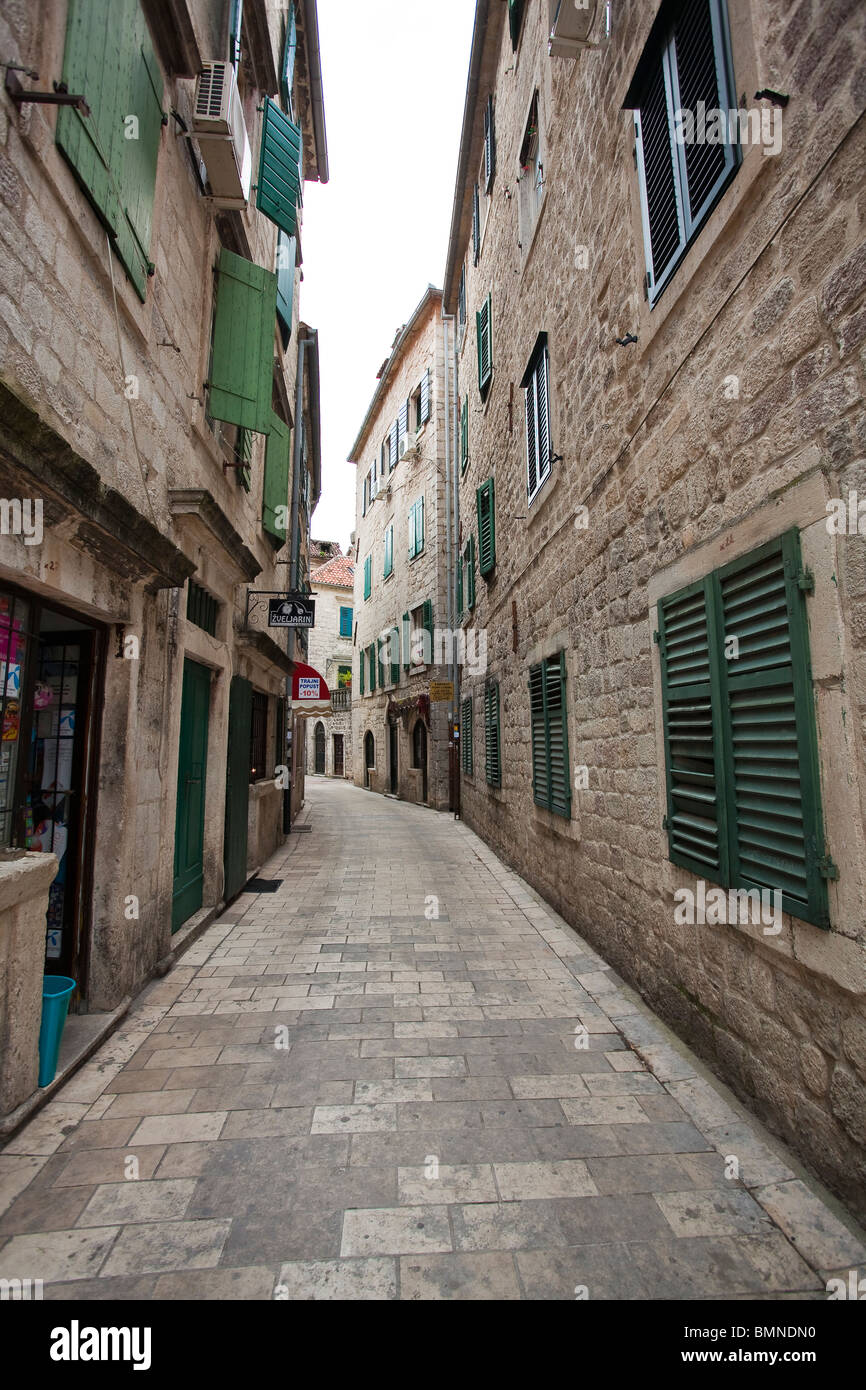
<point>407,642</point>
<point>551,783</point>
<point>244,453</point>
<point>538,730</point>
<point>235,21</point>
<point>412,532</point>
<point>476,225</point>
<point>287,249</point>
<point>460,588</point>
<point>424,405</point>
<point>492,745</point>
<point>368,576</point>
<point>361,671</point>
<point>427,623</point>
<point>140,156</point>
<point>346,622</point>
<point>380,644</point>
<point>389,551</point>
<point>395,655</point>
<point>279,187</point>
<point>275,496</point>
<point>287,72</point>
<point>484,335</point>
<point>489,146</point>
<point>419,526</point>
<point>468,586</point>
<point>484,499</point>
<point>371,657</point>
<point>242,352</point>
<point>515,16</point>
<point>466,737</point>
<point>464,435</point>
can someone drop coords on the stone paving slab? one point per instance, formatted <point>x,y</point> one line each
<point>334,1096</point>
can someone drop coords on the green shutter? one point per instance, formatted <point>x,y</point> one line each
<point>279,187</point>
<point>492,744</point>
<point>407,642</point>
<point>244,451</point>
<point>464,435</point>
<point>368,576</point>
<point>551,782</point>
<point>476,225</point>
<point>380,642</point>
<point>484,335</point>
<point>287,73</point>
<point>242,353</point>
<point>460,587</point>
<point>484,499</point>
<point>412,551</point>
<point>361,672</point>
<point>419,526</point>
<point>395,656</point>
<point>537,724</point>
<point>287,248</point>
<point>389,552</point>
<point>466,737</point>
<point>515,15</point>
<point>489,145</point>
<point>371,657</point>
<point>275,496</point>
<point>427,623</point>
<point>114,66</point>
<point>469,585</point>
<point>346,622</point>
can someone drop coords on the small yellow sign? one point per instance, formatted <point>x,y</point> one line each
<point>441,690</point>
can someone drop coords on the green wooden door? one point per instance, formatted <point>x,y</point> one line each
<point>237,786</point>
<point>191,780</point>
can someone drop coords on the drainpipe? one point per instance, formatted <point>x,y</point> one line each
<point>452,453</point>
<point>297,458</point>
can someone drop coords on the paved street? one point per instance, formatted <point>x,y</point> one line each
<point>402,1076</point>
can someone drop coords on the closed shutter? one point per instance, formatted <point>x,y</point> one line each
<point>393,445</point>
<point>484,499</point>
<point>345,622</point>
<point>489,146</point>
<point>476,225</point>
<point>469,581</point>
<point>551,784</point>
<point>425,397</point>
<point>380,642</point>
<point>395,655</point>
<point>286,258</point>
<point>466,736</point>
<point>700,77</point>
<point>371,658</point>
<point>242,352</point>
<point>275,496</point>
<point>416,528</point>
<point>427,623</point>
<point>287,71</point>
<point>538,730</point>
<point>279,187</point>
<point>515,15</point>
<point>464,435</point>
<point>368,576</point>
<point>361,672</point>
<point>389,551</point>
<point>484,329</point>
<point>407,641</point>
<point>492,744</point>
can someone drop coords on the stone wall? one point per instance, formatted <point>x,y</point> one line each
<point>738,413</point>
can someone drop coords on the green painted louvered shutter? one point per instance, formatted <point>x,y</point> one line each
<point>492,747</point>
<point>371,657</point>
<point>235,21</point>
<point>515,15</point>
<point>381,665</point>
<point>276,489</point>
<point>489,146</point>
<point>689,645</point>
<point>775,823</point>
<point>538,729</point>
<point>138,158</point>
<point>407,642</point>
<point>361,672</point>
<point>393,446</point>
<point>94,63</point>
<point>287,249</point>
<point>427,623</point>
<point>402,424</point>
<point>368,576</point>
<point>469,582</point>
<point>395,655</point>
<point>389,552</point>
<point>279,187</point>
<point>484,499</point>
<point>241,373</point>
<point>466,736</point>
<point>287,73</point>
<point>460,586</point>
<point>425,397</point>
<point>244,450</point>
<point>557,735</point>
<point>484,331</point>
<point>464,435</point>
<point>476,225</point>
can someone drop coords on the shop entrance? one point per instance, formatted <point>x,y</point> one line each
<point>51,665</point>
<point>191,773</point>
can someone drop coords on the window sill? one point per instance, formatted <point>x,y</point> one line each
<point>554,824</point>
<point>533,235</point>
<point>538,505</point>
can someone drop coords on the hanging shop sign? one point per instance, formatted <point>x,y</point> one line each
<point>292,610</point>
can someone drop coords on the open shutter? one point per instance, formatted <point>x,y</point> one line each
<point>427,622</point>
<point>393,446</point>
<point>275,497</point>
<point>389,552</point>
<point>531,438</point>
<point>557,735</point>
<point>139,156</point>
<point>235,22</point>
<point>489,146</point>
<point>466,736</point>
<point>470,572</point>
<point>402,424</point>
<point>688,642</point>
<point>460,587</point>
<point>476,225</point>
<point>241,373</point>
<point>412,551</point>
<point>775,828</point>
<point>492,755</point>
<point>395,655</point>
<point>279,187</point>
<point>464,435</point>
<point>244,450</point>
<point>368,576</point>
<point>540,787</point>
<point>287,248</point>
<point>485,344</point>
<point>287,71</point>
<point>425,397</point>
<point>407,641</point>
<point>699,75</point>
<point>486,527</point>
<point>371,657</point>
<point>663,221</point>
<point>515,15</point>
<point>380,642</point>
<point>542,389</point>
<point>361,672</point>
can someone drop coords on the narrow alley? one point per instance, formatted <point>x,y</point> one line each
<point>395,1073</point>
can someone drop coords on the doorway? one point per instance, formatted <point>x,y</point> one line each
<point>188,891</point>
<point>369,756</point>
<point>339,758</point>
<point>419,754</point>
<point>319,737</point>
<point>237,786</point>
<point>393,740</point>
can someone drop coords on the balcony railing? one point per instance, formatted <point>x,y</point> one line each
<point>341,699</point>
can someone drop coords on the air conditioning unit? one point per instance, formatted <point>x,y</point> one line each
<point>571,24</point>
<point>409,448</point>
<point>219,126</point>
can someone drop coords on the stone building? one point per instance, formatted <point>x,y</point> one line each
<point>658,265</point>
<point>159,455</point>
<point>329,739</point>
<point>400,733</point>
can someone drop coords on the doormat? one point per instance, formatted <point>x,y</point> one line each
<point>263,885</point>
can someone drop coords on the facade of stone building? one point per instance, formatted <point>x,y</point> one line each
<point>159,457</point>
<point>329,739</point>
<point>660,411</point>
<point>400,733</point>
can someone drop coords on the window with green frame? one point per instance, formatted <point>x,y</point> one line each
<point>388,568</point>
<point>492,739</point>
<point>741,746</point>
<point>551,783</point>
<point>368,576</point>
<point>485,506</point>
<point>466,760</point>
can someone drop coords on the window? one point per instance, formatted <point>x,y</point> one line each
<point>531,176</point>
<point>741,752</point>
<point>368,576</point>
<point>551,786</point>
<point>492,742</point>
<point>484,332</point>
<point>344,677</point>
<point>201,608</point>
<point>389,552</point>
<point>466,579</point>
<point>416,528</point>
<point>421,634</point>
<point>464,435</point>
<point>536,385</point>
<point>287,74</point>
<point>485,506</point>
<point>685,72</point>
<point>394,654</point>
<point>371,661</point>
<point>466,737</point>
<point>259,737</point>
<point>489,146</point>
<point>461,299</point>
<point>346,615</point>
<point>476,225</point>
<point>114,65</point>
<point>515,19</point>
<point>424,399</point>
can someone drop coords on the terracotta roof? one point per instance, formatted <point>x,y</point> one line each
<point>340,572</point>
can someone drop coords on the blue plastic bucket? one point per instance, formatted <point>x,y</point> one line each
<point>56,990</point>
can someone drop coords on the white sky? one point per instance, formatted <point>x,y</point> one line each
<point>394,75</point>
